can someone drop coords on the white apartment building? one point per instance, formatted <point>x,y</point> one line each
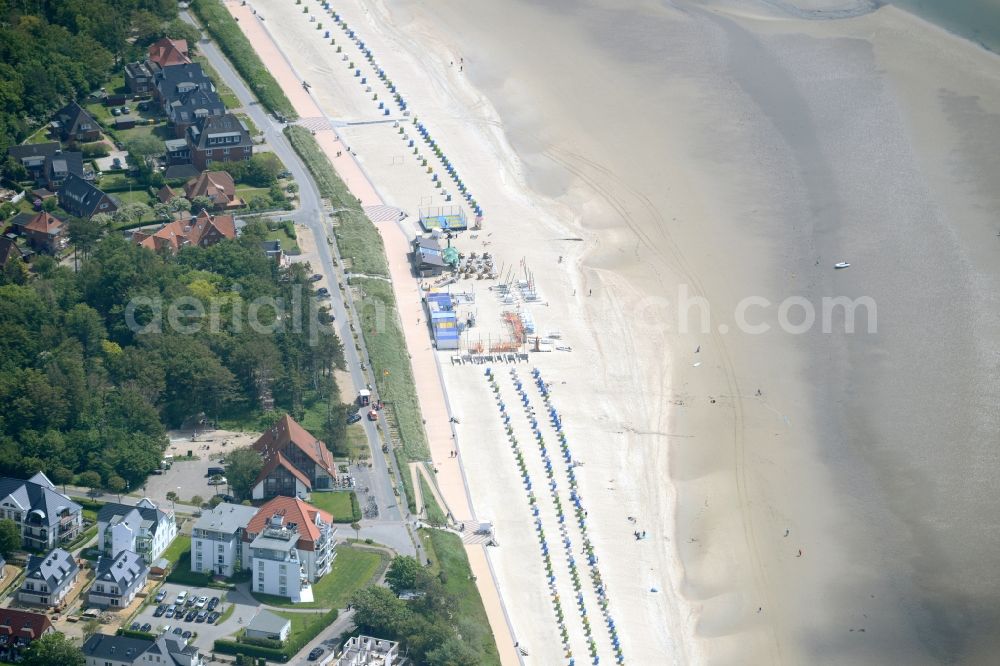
<point>216,540</point>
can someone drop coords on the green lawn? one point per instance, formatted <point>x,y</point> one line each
<point>135,196</point>
<point>288,243</point>
<point>448,554</point>
<point>248,192</point>
<point>249,123</point>
<point>180,545</point>
<point>303,626</point>
<point>353,569</point>
<point>391,363</point>
<point>435,515</point>
<point>339,504</point>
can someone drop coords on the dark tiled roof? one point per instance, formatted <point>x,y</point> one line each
<point>217,126</point>
<point>38,497</point>
<point>40,150</point>
<point>84,195</point>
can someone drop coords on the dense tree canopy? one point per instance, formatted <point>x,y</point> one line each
<point>433,635</point>
<point>95,365</point>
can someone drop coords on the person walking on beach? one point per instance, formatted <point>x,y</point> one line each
<point>800,553</point>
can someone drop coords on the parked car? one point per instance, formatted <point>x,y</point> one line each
<point>135,626</point>
<point>323,291</point>
<point>186,635</point>
<point>181,596</point>
<point>213,617</point>
<point>215,471</point>
<point>353,418</point>
<point>212,603</point>
<point>201,616</point>
<point>315,277</point>
<point>178,630</point>
<point>315,653</point>
<point>191,616</point>
<point>125,111</point>
<point>146,627</point>
<point>169,613</point>
<point>160,610</point>
<point>190,601</point>
<point>115,111</point>
<point>116,163</point>
<point>161,595</point>
<point>201,602</point>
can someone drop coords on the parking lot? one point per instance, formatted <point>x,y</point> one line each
<point>206,633</point>
<point>187,478</point>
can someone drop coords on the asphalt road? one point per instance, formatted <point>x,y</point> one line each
<point>311,212</point>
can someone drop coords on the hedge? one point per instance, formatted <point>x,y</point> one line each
<point>284,654</point>
<point>128,633</point>
<point>233,647</point>
<point>219,23</point>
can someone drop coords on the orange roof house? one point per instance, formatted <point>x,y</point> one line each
<point>202,230</point>
<point>295,462</point>
<point>166,52</point>
<point>46,232</point>
<point>217,186</point>
<point>294,512</point>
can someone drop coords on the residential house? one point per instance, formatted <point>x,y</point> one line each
<point>105,650</point>
<point>288,545</point>
<point>171,82</point>
<point>118,580</point>
<point>33,156</point>
<point>9,251</point>
<point>83,199</point>
<point>60,165</point>
<point>73,123</point>
<point>187,108</point>
<point>43,231</point>
<point>48,579</point>
<point>166,194</point>
<point>295,462</point>
<point>272,250</point>
<point>178,154</point>
<point>18,629</point>
<point>144,529</point>
<point>139,78</point>
<point>168,52</point>
<point>216,139</point>
<point>368,651</point>
<point>217,537</point>
<point>217,186</point>
<point>45,516</point>
<point>202,230</point>
<point>267,625</point>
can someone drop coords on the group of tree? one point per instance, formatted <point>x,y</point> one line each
<point>96,364</point>
<point>53,52</point>
<point>432,634</point>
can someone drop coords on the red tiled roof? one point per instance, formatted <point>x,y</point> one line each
<point>216,185</point>
<point>166,52</point>
<point>23,624</point>
<point>45,224</point>
<point>292,510</point>
<point>280,460</point>
<point>201,230</point>
<point>286,432</point>
<point>165,194</point>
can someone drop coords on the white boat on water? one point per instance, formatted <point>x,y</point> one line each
<point>842,264</point>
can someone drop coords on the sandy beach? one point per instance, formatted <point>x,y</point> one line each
<point>811,497</point>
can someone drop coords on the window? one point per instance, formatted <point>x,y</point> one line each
<point>221,548</point>
<point>283,590</point>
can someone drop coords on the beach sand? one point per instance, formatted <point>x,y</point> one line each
<point>731,150</point>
